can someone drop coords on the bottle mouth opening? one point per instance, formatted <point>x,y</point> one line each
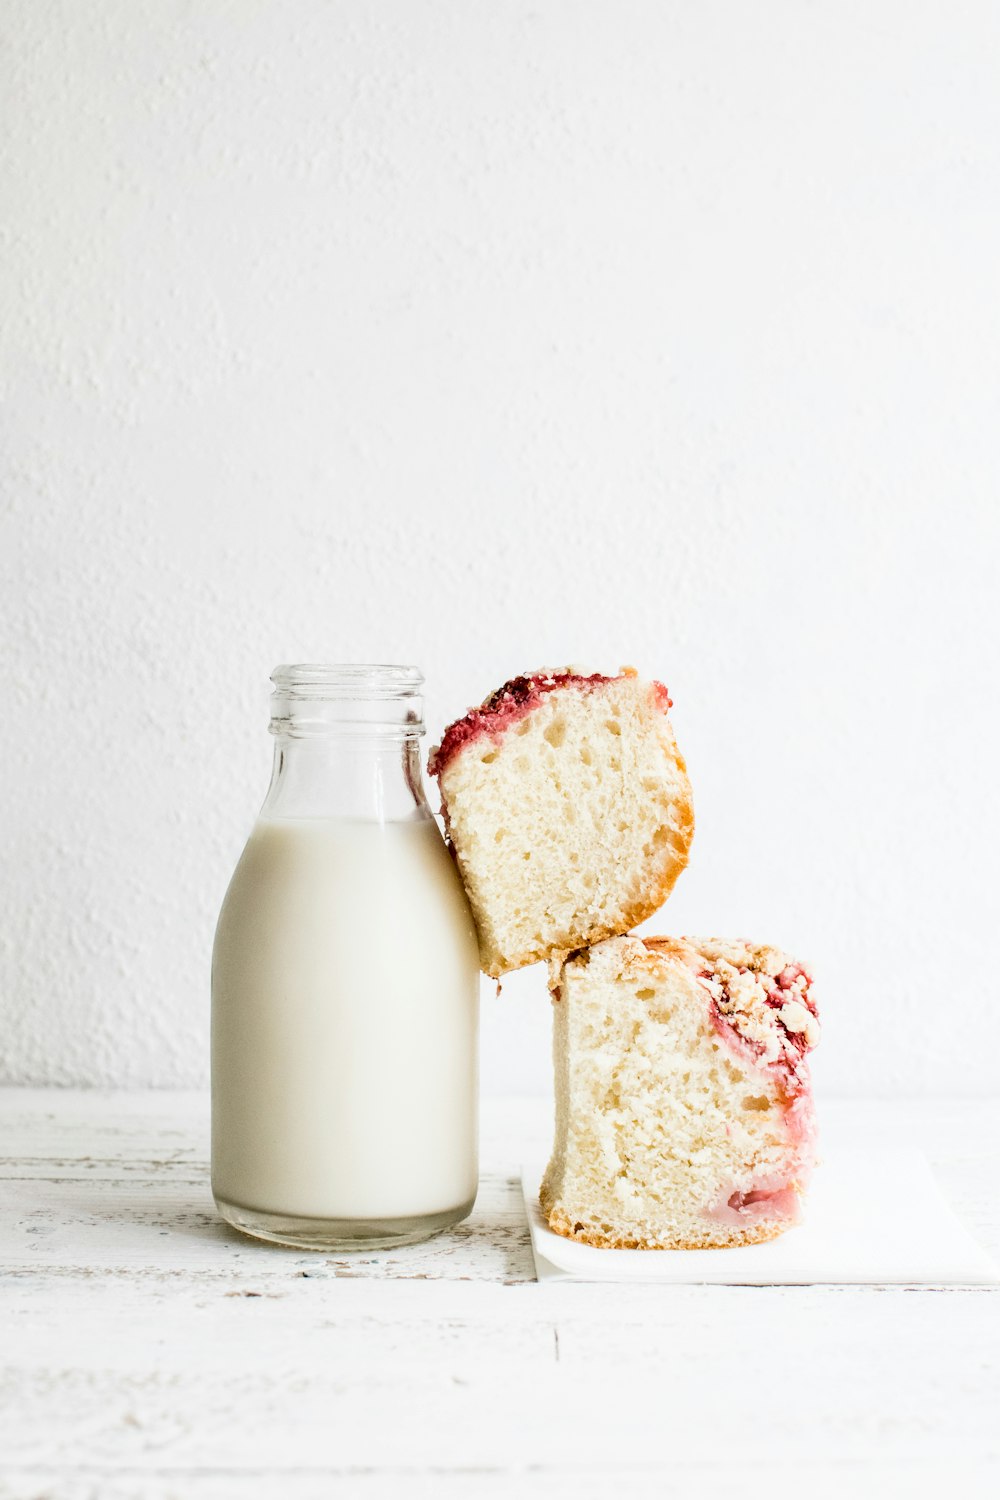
<point>315,699</point>
<point>347,680</point>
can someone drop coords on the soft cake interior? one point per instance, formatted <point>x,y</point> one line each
<point>665,1136</point>
<point>570,825</point>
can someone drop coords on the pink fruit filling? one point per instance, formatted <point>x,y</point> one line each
<point>783,1054</point>
<point>513,702</point>
<point>769,1024</point>
<point>758,1204</point>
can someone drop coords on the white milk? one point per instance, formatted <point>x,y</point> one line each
<point>345,1020</point>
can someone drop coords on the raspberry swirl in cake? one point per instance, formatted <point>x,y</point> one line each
<point>761,1006</point>
<point>512,702</point>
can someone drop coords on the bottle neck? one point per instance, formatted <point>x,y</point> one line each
<point>370,780</point>
<point>346,743</point>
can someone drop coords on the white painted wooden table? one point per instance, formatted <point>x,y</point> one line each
<point>149,1352</point>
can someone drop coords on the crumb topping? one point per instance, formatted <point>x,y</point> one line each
<point>761,1005</point>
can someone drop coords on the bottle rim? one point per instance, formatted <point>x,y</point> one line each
<point>347,680</point>
<point>314,699</point>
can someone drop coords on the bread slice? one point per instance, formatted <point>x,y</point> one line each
<point>684,1112</point>
<point>568,807</point>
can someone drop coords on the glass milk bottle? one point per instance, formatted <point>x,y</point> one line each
<point>345,983</point>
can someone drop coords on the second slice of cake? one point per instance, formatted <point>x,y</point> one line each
<point>568,807</point>
<point>684,1114</point>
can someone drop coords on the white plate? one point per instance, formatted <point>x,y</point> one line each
<point>871,1217</point>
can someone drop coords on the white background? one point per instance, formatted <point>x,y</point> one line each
<point>486,336</point>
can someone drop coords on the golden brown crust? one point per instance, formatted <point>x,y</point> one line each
<point>716,1237</point>
<point>642,956</point>
<point>587,937</point>
<point>670,947</point>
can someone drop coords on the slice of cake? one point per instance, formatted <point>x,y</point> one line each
<point>684,1114</point>
<point>568,807</point>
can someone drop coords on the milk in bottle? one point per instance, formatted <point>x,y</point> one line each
<point>345,983</point>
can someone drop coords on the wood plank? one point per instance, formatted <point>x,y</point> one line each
<point>172,1126</point>
<point>140,1165</point>
<point>708,1480</point>
<point>265,1385</point>
<point>147,1351</point>
<point>166,1223</point>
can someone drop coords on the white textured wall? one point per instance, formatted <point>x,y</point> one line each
<point>486,336</point>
